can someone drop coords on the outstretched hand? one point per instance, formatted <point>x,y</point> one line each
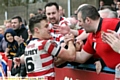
<point>19,39</point>
<point>63,29</point>
<point>112,40</point>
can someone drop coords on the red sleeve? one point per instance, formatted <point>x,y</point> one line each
<point>80,31</point>
<point>88,45</point>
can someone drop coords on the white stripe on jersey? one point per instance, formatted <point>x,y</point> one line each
<point>46,68</point>
<point>50,74</point>
<point>47,45</point>
<point>47,59</point>
<point>94,46</point>
<point>55,49</point>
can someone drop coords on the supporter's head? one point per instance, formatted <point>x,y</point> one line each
<point>87,14</point>
<point>61,12</point>
<point>118,5</point>
<point>80,6</point>
<point>107,13</point>
<point>39,11</point>
<point>73,21</point>
<point>107,7</point>
<point>2,29</point>
<point>38,26</point>
<point>16,22</point>
<point>101,3</point>
<point>52,12</point>
<point>9,35</point>
<point>8,24</point>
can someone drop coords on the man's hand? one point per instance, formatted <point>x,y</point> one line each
<point>98,67</point>
<point>19,39</point>
<point>112,40</point>
<point>17,62</point>
<point>69,37</point>
<point>117,71</point>
<point>7,51</point>
<point>79,45</point>
<point>63,29</point>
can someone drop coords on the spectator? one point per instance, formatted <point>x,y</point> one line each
<point>2,29</point>
<point>107,13</point>
<point>113,40</point>
<point>61,11</point>
<point>90,20</point>
<point>39,11</point>
<point>14,49</point>
<point>19,28</point>
<point>7,24</point>
<point>12,45</point>
<point>55,20</point>
<point>3,43</point>
<point>101,4</point>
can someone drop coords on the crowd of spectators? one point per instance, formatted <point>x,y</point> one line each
<point>51,39</point>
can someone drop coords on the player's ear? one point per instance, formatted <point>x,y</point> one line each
<point>36,29</point>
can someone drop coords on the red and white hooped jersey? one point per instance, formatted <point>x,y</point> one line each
<point>39,57</point>
<point>63,22</point>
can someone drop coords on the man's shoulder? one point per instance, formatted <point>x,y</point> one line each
<point>110,23</point>
<point>114,20</point>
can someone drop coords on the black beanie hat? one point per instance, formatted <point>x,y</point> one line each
<point>11,31</point>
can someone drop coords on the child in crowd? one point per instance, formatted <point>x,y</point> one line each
<point>14,49</point>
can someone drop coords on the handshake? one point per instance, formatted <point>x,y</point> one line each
<point>70,38</point>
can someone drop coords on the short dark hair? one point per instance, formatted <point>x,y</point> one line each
<point>34,20</point>
<point>17,17</point>
<point>51,4</point>
<point>89,11</point>
<point>40,9</point>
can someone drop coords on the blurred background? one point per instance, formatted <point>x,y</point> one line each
<point>9,8</point>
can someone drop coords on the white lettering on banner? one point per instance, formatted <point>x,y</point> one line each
<point>67,78</point>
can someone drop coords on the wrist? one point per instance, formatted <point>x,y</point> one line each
<point>70,41</point>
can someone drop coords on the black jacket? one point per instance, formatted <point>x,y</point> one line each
<point>22,32</point>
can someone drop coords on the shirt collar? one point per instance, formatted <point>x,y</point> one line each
<point>100,25</point>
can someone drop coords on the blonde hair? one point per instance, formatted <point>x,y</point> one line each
<point>7,21</point>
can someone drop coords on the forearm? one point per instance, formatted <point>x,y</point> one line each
<point>67,54</point>
<point>75,32</point>
<point>82,56</point>
<point>82,36</point>
<point>71,50</point>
